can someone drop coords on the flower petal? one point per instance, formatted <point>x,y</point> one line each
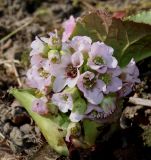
<point>81,43</point>
<point>71,82</point>
<point>66,59</point>
<point>114,71</point>
<point>92,107</point>
<point>131,73</point>
<point>59,84</point>
<point>68,28</point>
<point>39,106</point>
<point>92,65</point>
<point>38,45</point>
<point>115,85</point>
<point>77,59</point>
<point>64,104</point>
<point>125,90</point>
<point>57,70</point>
<point>94,96</point>
<point>36,60</point>
<point>101,85</point>
<point>100,49</point>
<point>75,117</point>
<point>111,62</point>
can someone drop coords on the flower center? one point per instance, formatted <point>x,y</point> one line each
<point>54,60</point>
<point>98,60</point>
<point>55,41</point>
<point>54,56</point>
<point>43,73</point>
<point>106,78</point>
<point>123,76</point>
<point>89,84</point>
<point>38,94</point>
<point>71,71</point>
<point>65,97</point>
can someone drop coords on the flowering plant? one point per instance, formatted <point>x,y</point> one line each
<point>77,80</point>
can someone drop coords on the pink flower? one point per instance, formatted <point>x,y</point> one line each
<point>111,79</point>
<point>130,72</point>
<point>108,105</point>
<point>38,78</point>
<point>81,43</point>
<point>54,57</point>
<point>91,87</point>
<point>129,77</point>
<point>63,101</point>
<point>37,60</point>
<point>126,89</point>
<point>92,107</point>
<point>38,45</point>
<point>39,106</point>
<point>104,109</point>
<point>76,117</point>
<point>68,26</point>
<point>42,45</point>
<point>54,40</point>
<point>94,111</point>
<point>67,72</point>
<point>100,57</point>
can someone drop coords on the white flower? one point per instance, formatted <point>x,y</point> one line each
<point>91,87</point>
<point>63,101</point>
<point>100,57</point>
<point>67,72</point>
<point>81,43</point>
<point>38,45</point>
<point>76,117</point>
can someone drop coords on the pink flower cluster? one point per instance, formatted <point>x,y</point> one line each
<point>79,63</point>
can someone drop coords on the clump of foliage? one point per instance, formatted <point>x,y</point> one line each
<point>77,80</point>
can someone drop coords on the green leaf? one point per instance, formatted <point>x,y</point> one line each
<point>141,17</point>
<point>128,38</point>
<point>94,25</point>
<point>91,131</point>
<point>123,36</point>
<point>73,91</point>
<point>141,49</point>
<point>47,124</point>
<point>79,106</point>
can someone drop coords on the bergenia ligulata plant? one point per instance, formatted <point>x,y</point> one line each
<point>77,81</point>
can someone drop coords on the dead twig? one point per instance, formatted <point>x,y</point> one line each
<point>17,75</point>
<point>140,101</point>
<point>2,136</point>
<point>9,61</point>
<point>87,5</point>
<point>15,31</point>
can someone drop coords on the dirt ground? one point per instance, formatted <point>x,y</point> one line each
<point>20,139</point>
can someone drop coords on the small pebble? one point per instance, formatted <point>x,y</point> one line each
<point>16,136</point>
<point>26,128</point>
<point>7,128</point>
